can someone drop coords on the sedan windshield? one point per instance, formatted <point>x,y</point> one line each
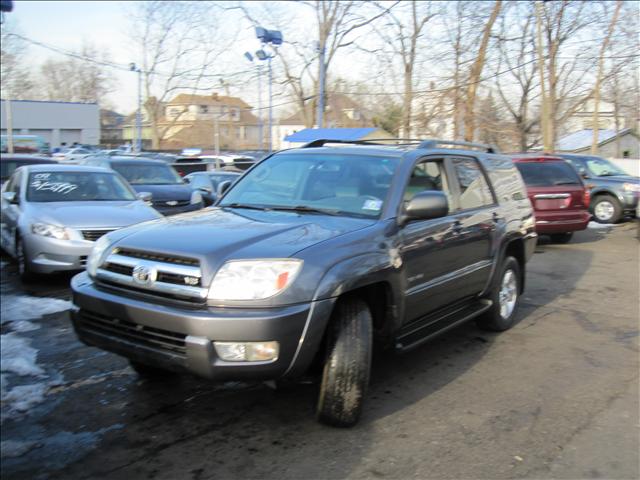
<point>77,187</point>
<point>353,185</point>
<point>146,173</point>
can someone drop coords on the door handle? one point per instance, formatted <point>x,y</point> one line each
<point>457,227</point>
<point>496,217</point>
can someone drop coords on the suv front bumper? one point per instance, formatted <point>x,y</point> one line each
<point>181,338</point>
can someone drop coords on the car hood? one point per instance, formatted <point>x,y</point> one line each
<point>166,192</point>
<point>93,214</point>
<point>215,235</point>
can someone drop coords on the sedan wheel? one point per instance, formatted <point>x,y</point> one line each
<point>23,262</point>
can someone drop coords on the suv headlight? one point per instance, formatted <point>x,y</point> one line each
<point>196,197</point>
<point>253,279</point>
<point>97,255</point>
<point>631,187</point>
<point>52,231</point>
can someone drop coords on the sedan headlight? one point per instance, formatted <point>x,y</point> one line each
<point>96,257</point>
<point>52,231</point>
<point>196,197</point>
<point>631,187</point>
<point>253,279</point>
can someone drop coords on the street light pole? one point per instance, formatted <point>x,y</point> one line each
<point>274,38</point>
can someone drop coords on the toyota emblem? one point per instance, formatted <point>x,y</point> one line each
<point>144,275</point>
<point>172,203</point>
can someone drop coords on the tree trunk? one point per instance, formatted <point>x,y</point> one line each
<point>544,117</point>
<point>476,72</point>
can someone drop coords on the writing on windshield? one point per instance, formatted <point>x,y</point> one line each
<point>76,187</point>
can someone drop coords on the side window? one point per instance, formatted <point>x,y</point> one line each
<point>474,189</point>
<point>427,175</point>
<point>14,184</point>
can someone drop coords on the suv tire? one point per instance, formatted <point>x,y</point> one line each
<point>606,209</point>
<point>505,297</point>
<point>347,366</point>
<point>22,259</point>
<point>561,237</point>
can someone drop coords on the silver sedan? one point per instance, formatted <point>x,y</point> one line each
<point>53,214</point>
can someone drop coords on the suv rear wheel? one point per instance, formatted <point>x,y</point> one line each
<point>606,209</point>
<point>505,297</point>
<point>347,366</point>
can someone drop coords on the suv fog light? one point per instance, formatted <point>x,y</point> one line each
<point>247,351</point>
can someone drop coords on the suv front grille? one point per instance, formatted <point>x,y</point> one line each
<point>173,277</point>
<point>156,338</point>
<point>93,235</point>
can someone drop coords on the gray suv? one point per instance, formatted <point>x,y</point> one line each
<point>310,257</point>
<point>614,193</point>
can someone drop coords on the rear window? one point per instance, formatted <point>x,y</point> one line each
<point>548,174</point>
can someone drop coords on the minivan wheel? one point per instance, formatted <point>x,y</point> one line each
<point>22,259</point>
<point>347,366</point>
<point>505,297</point>
<point>606,209</point>
<point>561,237</point>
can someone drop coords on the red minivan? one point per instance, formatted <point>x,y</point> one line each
<point>558,196</point>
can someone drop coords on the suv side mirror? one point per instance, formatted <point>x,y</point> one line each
<point>145,196</point>
<point>223,187</point>
<point>10,197</point>
<point>425,205</point>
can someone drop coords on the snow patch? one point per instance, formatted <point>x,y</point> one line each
<point>23,397</point>
<point>24,326</point>
<point>17,356</point>
<point>24,307</point>
<point>599,226</point>
<point>16,448</point>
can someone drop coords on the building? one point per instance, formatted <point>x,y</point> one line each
<point>200,121</point>
<point>345,134</point>
<point>111,128</point>
<point>54,122</point>
<point>340,112</point>
<point>624,144</point>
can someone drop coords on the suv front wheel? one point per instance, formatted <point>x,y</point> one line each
<point>505,297</point>
<point>606,209</point>
<point>347,365</point>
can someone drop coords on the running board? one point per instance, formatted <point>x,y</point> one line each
<point>434,325</point>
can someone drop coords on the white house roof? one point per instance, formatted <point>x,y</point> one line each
<point>583,138</point>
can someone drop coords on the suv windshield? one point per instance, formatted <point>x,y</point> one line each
<point>354,185</point>
<point>77,187</point>
<point>601,167</point>
<point>547,174</point>
<point>146,173</point>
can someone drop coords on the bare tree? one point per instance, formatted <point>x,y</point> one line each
<point>179,43</point>
<point>401,34</point>
<point>476,72</point>
<point>15,76</point>
<point>82,77</point>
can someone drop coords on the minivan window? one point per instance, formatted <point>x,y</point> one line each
<point>355,185</point>
<point>547,174</point>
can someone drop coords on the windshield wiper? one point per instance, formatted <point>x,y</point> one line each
<point>245,205</point>
<point>305,209</point>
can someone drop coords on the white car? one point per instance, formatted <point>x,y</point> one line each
<point>71,155</point>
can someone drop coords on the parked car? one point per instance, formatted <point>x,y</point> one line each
<point>308,257</point>
<point>30,144</point>
<point>9,163</point>
<point>558,196</point>
<point>71,155</point>
<point>170,195</point>
<point>614,193</point>
<point>53,214</point>
<point>207,183</point>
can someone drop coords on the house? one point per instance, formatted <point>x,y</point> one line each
<point>111,128</point>
<point>624,144</point>
<point>341,112</point>
<point>54,122</point>
<point>345,134</point>
<point>202,121</point>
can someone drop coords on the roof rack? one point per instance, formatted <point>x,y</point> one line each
<point>436,143</point>
<point>421,143</point>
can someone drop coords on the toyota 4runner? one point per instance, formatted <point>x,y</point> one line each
<point>314,254</point>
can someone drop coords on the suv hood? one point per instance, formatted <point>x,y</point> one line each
<point>93,214</point>
<point>615,179</point>
<point>215,235</point>
<point>166,192</point>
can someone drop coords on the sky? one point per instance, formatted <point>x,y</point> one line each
<point>67,24</point>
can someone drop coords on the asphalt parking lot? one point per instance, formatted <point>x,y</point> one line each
<point>555,397</point>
